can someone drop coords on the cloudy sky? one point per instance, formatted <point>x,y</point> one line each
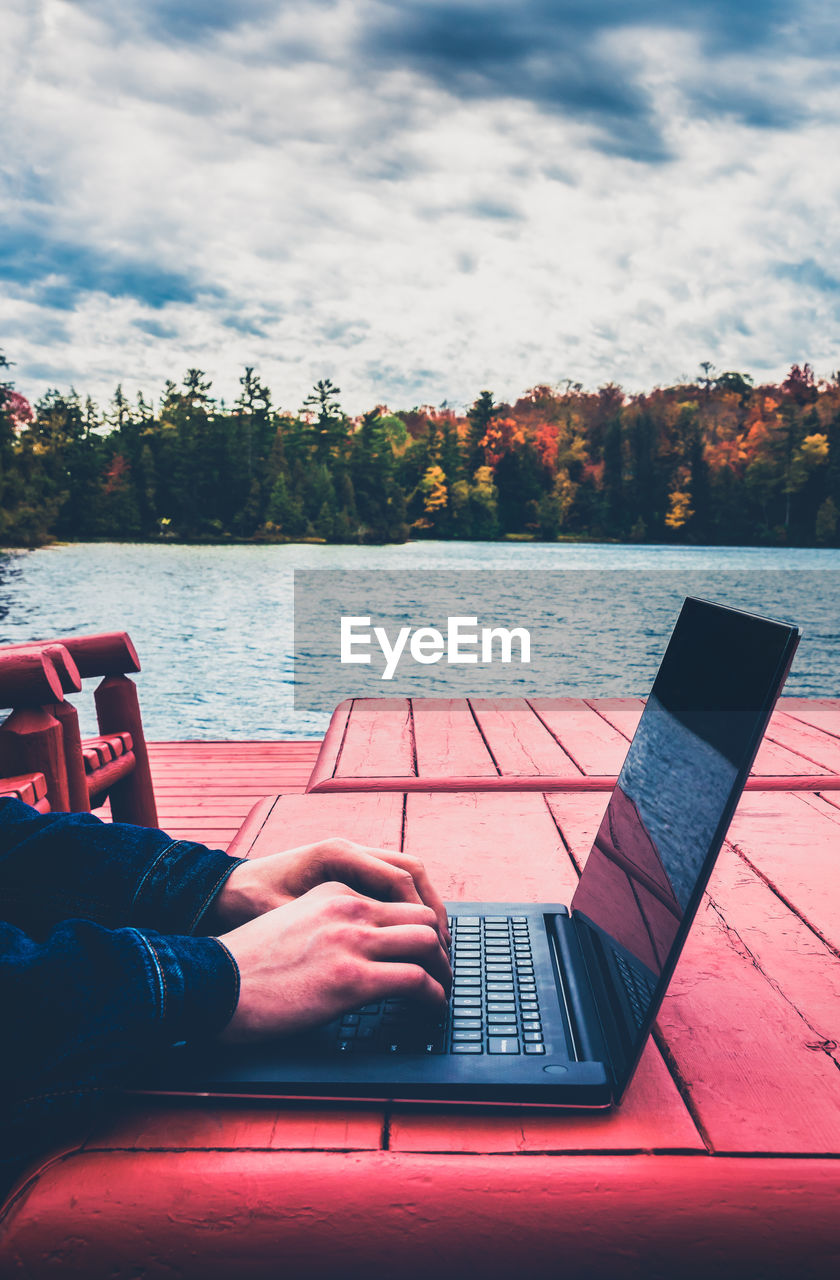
<point>418,198</point>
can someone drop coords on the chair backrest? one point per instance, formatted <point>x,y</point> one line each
<point>42,733</point>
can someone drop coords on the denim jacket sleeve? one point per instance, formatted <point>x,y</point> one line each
<point>60,865</point>
<point>99,962</point>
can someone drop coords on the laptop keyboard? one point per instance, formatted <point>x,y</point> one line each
<point>494,1006</point>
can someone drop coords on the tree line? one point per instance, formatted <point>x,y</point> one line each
<point>713,461</point>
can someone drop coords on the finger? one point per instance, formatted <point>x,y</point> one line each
<point>400,981</point>
<point>413,913</point>
<point>362,910</point>
<point>410,942</point>
<point>385,874</point>
<point>426,890</point>
<point>374,875</point>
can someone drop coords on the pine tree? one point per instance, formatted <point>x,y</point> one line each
<point>480,417</point>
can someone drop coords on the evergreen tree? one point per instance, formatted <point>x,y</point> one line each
<point>328,430</point>
<point>480,417</point>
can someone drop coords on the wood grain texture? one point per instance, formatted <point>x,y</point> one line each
<point>323,1215</point>
<point>652,1117</point>
<point>331,745</point>
<point>204,790</point>
<point>796,848</point>
<point>165,1124</point>
<point>32,741</point>
<point>378,739</point>
<point>520,744</point>
<point>774,758</point>
<point>623,714</point>
<point>821,713</point>
<point>303,819</point>
<point>448,742</point>
<point>749,1031</point>
<point>242,843</point>
<point>557,743</point>
<point>489,845</point>
<point>28,678</point>
<point>815,745</point>
<point>592,742</point>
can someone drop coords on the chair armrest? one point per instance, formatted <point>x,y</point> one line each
<point>29,677</point>
<point>109,653</point>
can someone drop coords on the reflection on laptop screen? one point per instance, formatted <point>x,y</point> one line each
<point>672,801</point>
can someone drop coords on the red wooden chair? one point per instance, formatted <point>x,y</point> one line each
<point>41,736</point>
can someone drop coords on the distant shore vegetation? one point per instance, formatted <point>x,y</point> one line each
<point>718,460</point>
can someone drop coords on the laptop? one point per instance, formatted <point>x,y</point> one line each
<point>552,1004</point>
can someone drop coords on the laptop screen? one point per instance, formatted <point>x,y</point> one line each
<point>681,779</point>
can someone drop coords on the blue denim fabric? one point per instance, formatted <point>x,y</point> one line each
<point>102,961</point>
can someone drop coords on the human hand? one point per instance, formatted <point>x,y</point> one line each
<point>259,885</point>
<point>328,951</point>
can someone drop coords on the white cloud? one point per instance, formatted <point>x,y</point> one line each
<point>319,216</point>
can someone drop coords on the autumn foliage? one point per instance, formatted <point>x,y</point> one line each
<point>716,460</point>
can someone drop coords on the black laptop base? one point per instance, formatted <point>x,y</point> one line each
<point>513,1033</point>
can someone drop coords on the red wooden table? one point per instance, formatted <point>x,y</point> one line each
<point>723,1158</point>
<point>479,744</point>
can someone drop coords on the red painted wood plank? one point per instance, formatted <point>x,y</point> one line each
<point>822,713</point>
<point>474,845</point>
<point>831,798</point>
<point>241,844</point>
<point>744,1054</point>
<point>214,803</point>
<point>211,837</point>
<point>520,744</point>
<point>205,790</point>
<point>448,741</point>
<point>210,1215</point>
<point>784,949</point>
<point>297,820</point>
<point>775,759</point>
<point>578,816</point>
<point>378,739</point>
<point>166,1125</point>
<point>218,768</point>
<point>594,745</point>
<point>794,847</point>
<point>331,746</point>
<point>539,783</point>
<point>241,767</point>
<point>652,1115</point>
<point>623,714</point>
<point>555,742</point>
<point>816,746</point>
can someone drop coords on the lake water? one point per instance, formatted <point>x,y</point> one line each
<point>213,625</point>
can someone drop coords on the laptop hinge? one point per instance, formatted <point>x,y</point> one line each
<point>590,1042</point>
<point>618,1045</point>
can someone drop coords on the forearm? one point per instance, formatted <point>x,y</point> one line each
<point>86,1003</point>
<point>82,1009</point>
<point>57,866</point>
